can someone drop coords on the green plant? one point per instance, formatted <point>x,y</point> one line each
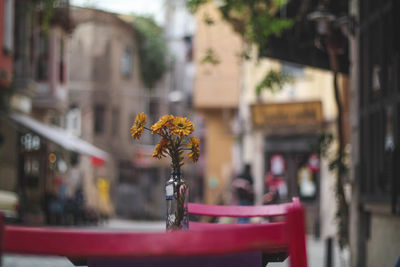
<point>337,164</point>
<point>273,81</point>
<point>152,50</point>
<point>210,57</point>
<point>208,19</point>
<point>193,5</point>
<point>254,20</point>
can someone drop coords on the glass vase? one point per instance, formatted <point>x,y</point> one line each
<point>177,197</point>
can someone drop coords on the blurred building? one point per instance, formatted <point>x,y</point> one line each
<point>6,41</point>
<point>279,133</point>
<point>6,75</point>
<point>40,59</point>
<point>106,93</point>
<point>37,154</point>
<point>179,30</point>
<point>217,84</point>
<point>280,137</point>
<point>375,120</point>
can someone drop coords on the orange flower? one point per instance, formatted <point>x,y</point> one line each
<point>161,149</point>
<point>138,125</point>
<point>181,126</point>
<point>164,121</point>
<point>195,149</point>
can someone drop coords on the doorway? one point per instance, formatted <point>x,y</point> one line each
<point>292,170</point>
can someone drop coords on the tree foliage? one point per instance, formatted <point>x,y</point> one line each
<point>152,50</point>
<point>273,81</point>
<point>255,20</point>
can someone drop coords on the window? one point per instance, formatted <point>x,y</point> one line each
<point>42,53</point>
<point>294,70</point>
<point>8,25</point>
<point>379,106</point>
<point>126,63</point>
<point>99,113</point>
<point>154,112</point>
<point>127,174</point>
<point>189,48</point>
<point>73,121</point>
<point>114,122</point>
<point>61,62</point>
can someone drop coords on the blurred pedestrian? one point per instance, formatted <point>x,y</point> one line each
<point>243,189</point>
<point>275,189</point>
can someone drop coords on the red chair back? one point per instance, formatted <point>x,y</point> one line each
<point>291,230</point>
<point>202,240</point>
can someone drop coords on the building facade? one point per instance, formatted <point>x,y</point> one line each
<point>280,138</point>
<point>277,134</point>
<point>38,156</point>
<point>375,72</point>
<point>179,31</point>
<point>6,41</point>
<point>106,93</point>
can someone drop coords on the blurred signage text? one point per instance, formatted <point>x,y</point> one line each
<point>287,114</point>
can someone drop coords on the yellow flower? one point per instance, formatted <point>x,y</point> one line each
<point>164,121</point>
<point>161,149</point>
<point>181,126</point>
<point>138,125</point>
<point>195,149</point>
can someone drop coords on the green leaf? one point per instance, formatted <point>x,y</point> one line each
<point>193,5</point>
<point>210,57</point>
<point>273,81</point>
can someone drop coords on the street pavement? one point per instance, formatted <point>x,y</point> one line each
<point>316,252</point>
<point>315,248</point>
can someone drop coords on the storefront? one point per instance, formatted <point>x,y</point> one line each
<point>48,167</point>
<point>290,151</point>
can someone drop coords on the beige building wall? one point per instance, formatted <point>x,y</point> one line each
<point>216,86</point>
<point>216,97</point>
<point>219,144</point>
<point>314,85</point>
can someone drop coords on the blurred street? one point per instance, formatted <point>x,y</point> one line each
<point>114,109</point>
<point>316,248</point>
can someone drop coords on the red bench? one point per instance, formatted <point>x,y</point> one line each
<point>204,244</point>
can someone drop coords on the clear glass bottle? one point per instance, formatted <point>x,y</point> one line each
<point>177,197</point>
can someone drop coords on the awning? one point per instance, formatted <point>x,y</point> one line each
<point>60,137</point>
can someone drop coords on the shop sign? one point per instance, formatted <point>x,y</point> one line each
<point>30,142</point>
<point>143,158</point>
<point>287,114</point>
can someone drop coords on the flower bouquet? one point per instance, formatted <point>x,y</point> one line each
<point>175,140</point>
